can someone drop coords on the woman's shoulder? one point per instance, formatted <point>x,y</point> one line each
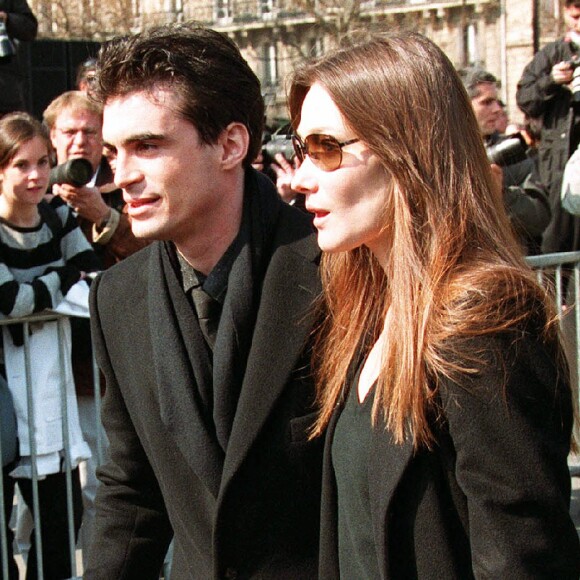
<point>502,332</point>
<point>520,367</point>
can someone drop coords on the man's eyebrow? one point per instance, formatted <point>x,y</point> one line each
<point>139,137</point>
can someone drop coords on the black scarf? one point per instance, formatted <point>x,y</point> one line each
<point>218,389</point>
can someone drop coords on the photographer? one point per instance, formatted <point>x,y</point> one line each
<point>545,92</point>
<point>277,160</point>
<point>524,197</point>
<point>17,22</point>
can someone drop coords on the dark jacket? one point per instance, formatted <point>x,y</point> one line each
<point>258,516</point>
<point>491,500</point>
<point>539,97</point>
<point>21,25</point>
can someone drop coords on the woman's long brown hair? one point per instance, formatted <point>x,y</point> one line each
<point>454,268</point>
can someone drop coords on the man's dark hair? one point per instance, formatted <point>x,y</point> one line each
<point>214,83</point>
<point>472,77</point>
<point>575,3</point>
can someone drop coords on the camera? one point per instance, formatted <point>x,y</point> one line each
<point>574,64</point>
<point>6,45</point>
<point>76,172</point>
<point>277,143</point>
<point>509,151</point>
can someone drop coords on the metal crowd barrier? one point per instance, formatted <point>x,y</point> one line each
<point>74,552</point>
<point>6,550</point>
<point>562,271</point>
<point>564,267</point>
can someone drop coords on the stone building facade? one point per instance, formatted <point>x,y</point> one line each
<point>273,35</point>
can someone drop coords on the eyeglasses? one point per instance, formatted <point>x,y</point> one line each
<point>70,134</point>
<point>325,151</point>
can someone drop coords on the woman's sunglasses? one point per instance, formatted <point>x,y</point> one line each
<point>325,151</point>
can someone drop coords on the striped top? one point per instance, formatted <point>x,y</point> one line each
<point>39,265</point>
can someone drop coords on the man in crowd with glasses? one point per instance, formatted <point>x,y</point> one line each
<point>75,125</point>
<point>209,399</point>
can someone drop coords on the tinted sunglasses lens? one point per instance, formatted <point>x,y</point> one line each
<point>324,150</point>
<point>299,148</point>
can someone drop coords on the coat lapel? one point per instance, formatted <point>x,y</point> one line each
<point>388,462</point>
<point>177,344</point>
<point>283,324</point>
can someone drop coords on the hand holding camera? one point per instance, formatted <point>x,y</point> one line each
<point>562,72</point>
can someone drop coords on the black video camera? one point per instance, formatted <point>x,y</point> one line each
<point>508,151</point>
<point>76,172</point>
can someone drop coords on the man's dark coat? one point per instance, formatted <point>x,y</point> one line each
<point>539,97</point>
<point>259,516</point>
<point>21,25</point>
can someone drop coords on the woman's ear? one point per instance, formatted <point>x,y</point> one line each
<point>234,141</point>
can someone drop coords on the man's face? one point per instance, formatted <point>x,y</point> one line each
<point>572,17</point>
<point>77,133</point>
<point>171,180</point>
<point>487,108</point>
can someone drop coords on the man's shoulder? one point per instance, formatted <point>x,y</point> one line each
<point>123,288</point>
<point>559,49</point>
<point>131,270</point>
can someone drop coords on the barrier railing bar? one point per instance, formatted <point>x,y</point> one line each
<point>3,522</point>
<point>66,444</point>
<point>32,445</point>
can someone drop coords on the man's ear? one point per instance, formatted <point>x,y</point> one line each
<point>234,141</point>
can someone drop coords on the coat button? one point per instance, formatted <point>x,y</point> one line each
<point>230,574</point>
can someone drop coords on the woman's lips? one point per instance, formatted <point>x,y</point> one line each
<point>319,216</point>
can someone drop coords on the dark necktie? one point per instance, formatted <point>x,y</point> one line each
<point>208,314</point>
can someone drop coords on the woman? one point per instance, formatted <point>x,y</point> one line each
<point>441,381</point>
<point>43,253</point>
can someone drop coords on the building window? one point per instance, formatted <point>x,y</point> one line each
<point>269,65</point>
<point>470,52</point>
<point>315,47</point>
<point>367,5</point>
<point>267,9</point>
<point>222,11</point>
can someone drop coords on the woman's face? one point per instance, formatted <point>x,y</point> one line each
<point>349,203</point>
<point>25,179</point>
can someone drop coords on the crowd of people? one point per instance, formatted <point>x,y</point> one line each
<point>341,368</point>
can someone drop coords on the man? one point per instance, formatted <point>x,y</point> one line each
<point>19,24</point>
<point>481,87</point>
<point>503,120</point>
<point>86,75</point>
<point>524,198</point>
<point>544,92</point>
<point>209,399</point>
<point>75,125</point>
